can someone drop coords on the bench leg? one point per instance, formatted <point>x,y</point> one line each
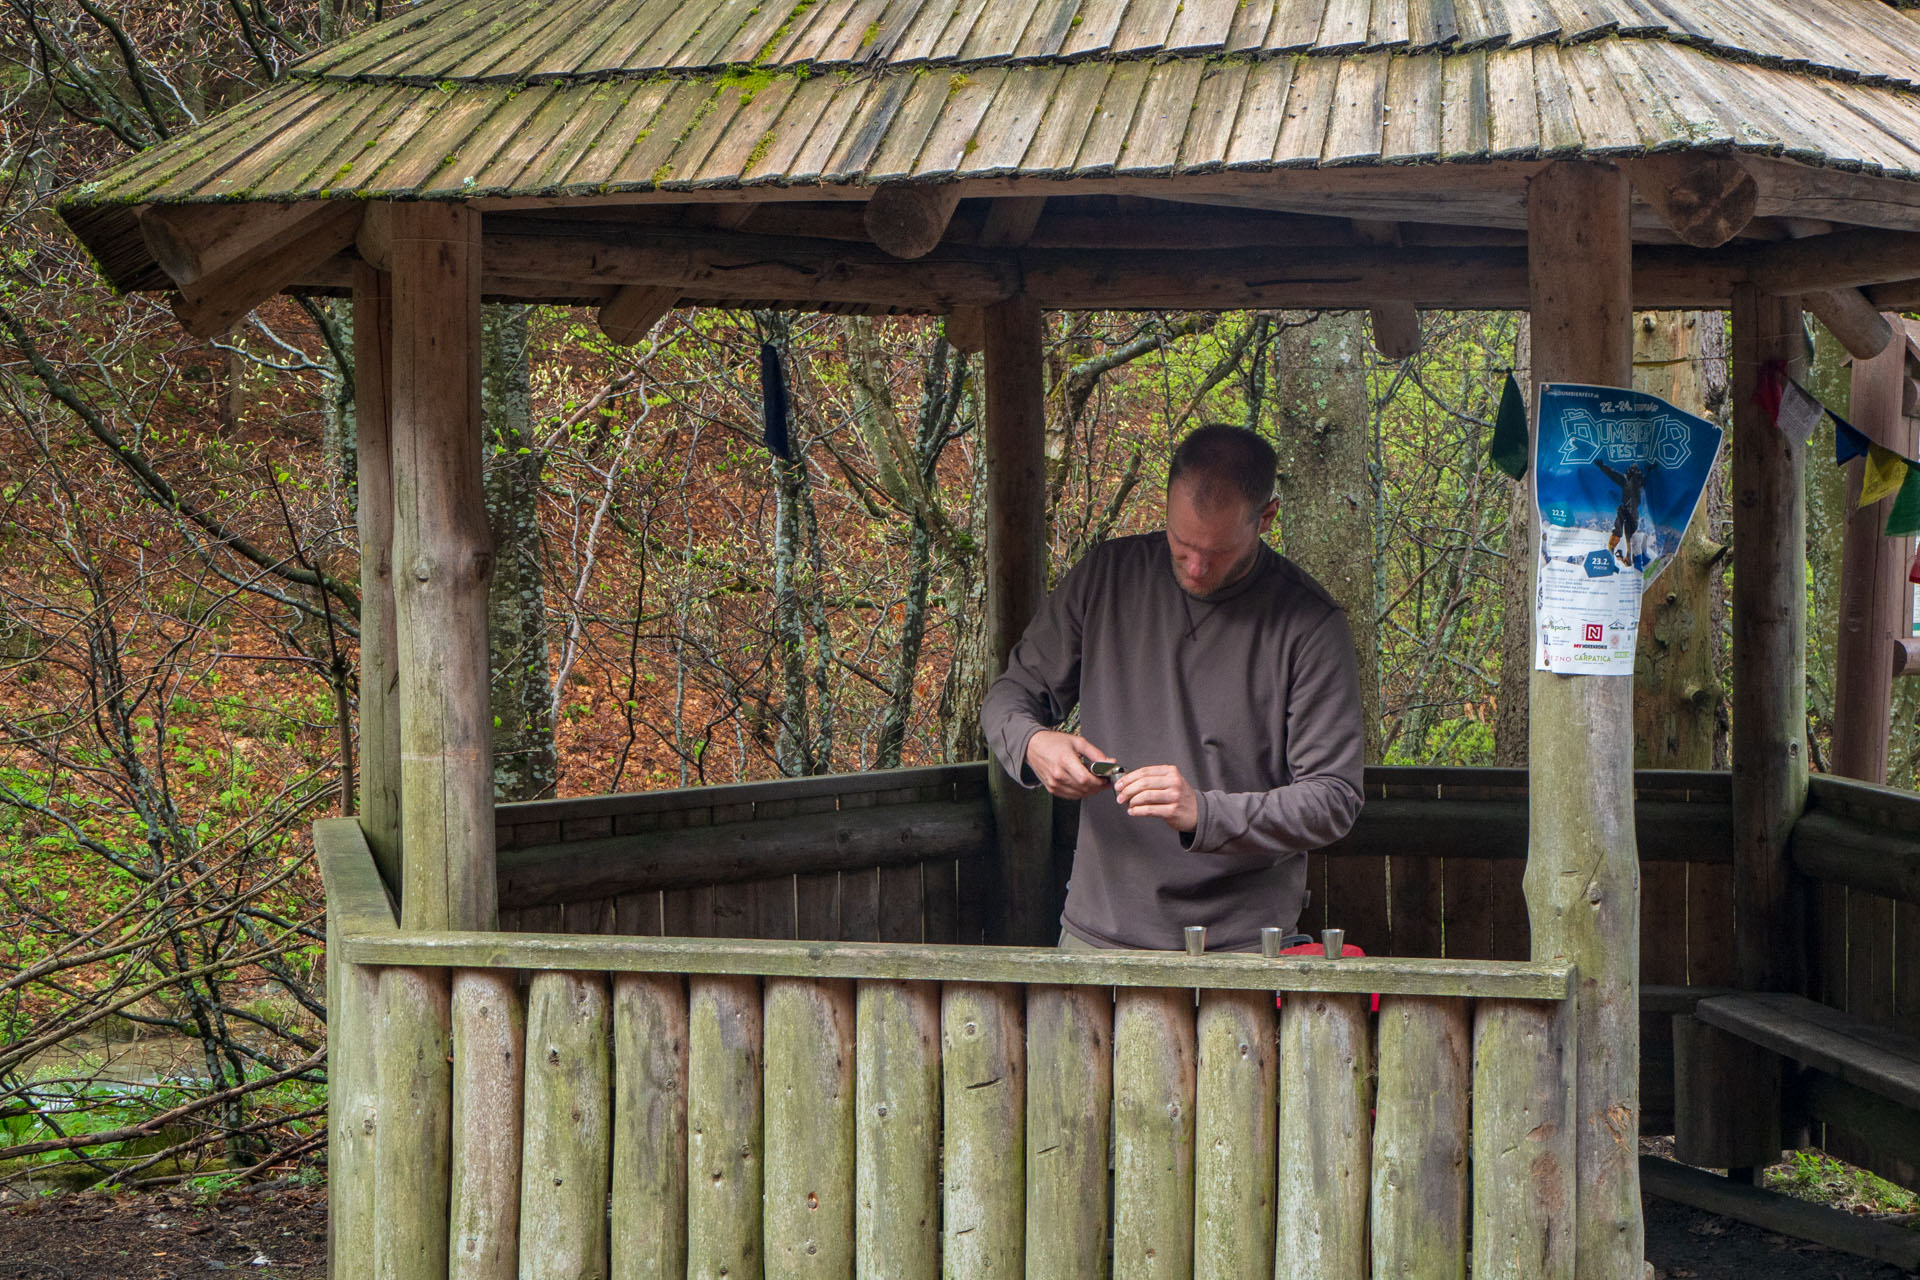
<point>1726,1110</point>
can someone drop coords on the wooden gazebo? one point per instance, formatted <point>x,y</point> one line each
<point>515,1090</point>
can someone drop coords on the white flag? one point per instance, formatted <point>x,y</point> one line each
<point>1799,412</point>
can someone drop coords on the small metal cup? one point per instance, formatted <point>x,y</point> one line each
<point>1270,940</point>
<point>1196,939</point>
<point>1333,940</point>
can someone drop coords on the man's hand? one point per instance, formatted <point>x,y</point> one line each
<point>1056,759</point>
<point>1158,791</point>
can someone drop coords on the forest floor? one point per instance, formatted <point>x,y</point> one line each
<point>281,1234</point>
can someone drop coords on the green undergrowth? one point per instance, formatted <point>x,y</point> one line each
<point>1814,1175</point>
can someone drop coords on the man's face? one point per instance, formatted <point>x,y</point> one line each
<point>1213,546</point>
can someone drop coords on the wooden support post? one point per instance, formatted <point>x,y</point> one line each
<point>633,311</point>
<point>489,1063</point>
<point>983,1056</point>
<point>897,1127</point>
<point>1523,1141</point>
<point>1583,875</point>
<point>1726,1109</point>
<point>1419,1201</point>
<point>443,559</point>
<point>1069,1096</point>
<point>808,1213</point>
<point>723,1127</point>
<point>569,1127</point>
<point>412,1144</point>
<point>1769,702</point>
<point>1873,578</point>
<point>648,1231</point>
<point>373,512</point>
<point>1153,1117</point>
<point>1016,582</point>
<point>1234,1135</point>
<point>1325,1127</point>
<point>353,1111</point>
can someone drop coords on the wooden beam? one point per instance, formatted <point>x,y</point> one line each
<point>1768,702</point>
<point>1016,463</point>
<point>967,329</point>
<point>1844,259</point>
<point>1861,329</point>
<point>1011,222</point>
<point>1396,329</point>
<point>908,221</point>
<point>1789,189</point>
<point>633,311</point>
<point>1582,881</point>
<point>220,298</point>
<point>191,242</point>
<point>1873,573</point>
<point>1707,198</point>
<point>373,513</point>
<point>443,557</point>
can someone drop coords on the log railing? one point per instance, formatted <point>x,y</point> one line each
<point>754,1107</point>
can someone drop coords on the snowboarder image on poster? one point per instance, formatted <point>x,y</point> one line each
<point>1626,521</point>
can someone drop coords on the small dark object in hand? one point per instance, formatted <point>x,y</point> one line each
<point>1105,768</point>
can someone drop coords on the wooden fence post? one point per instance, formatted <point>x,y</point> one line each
<point>1016,583</point>
<point>1583,871</point>
<point>443,559</point>
<point>489,1065</point>
<point>983,1059</point>
<point>412,1145</point>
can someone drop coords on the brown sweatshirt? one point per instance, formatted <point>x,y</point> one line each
<point>1252,692</point>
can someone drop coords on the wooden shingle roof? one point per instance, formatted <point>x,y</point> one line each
<point>578,98</point>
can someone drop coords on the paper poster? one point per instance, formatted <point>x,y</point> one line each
<point>1617,475</point>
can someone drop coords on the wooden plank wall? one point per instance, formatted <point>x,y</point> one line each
<point>912,902</point>
<point>740,1125</point>
<point>1865,952</point>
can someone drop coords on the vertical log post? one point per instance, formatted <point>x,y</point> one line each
<point>1873,578</point>
<point>489,1063</point>
<point>723,1127</point>
<point>373,512</point>
<point>412,1145</point>
<point>353,1111</point>
<point>568,1126</point>
<point>1769,703</point>
<point>983,1056</point>
<point>1419,1201</point>
<point>1069,1096</point>
<point>443,559</point>
<point>808,1213</point>
<point>1154,1054</point>
<point>897,1127</point>
<point>1523,1140</point>
<point>1234,1135</point>
<point>1016,582</point>
<point>1583,874</point>
<point>649,1227</point>
<point>1325,1128</point>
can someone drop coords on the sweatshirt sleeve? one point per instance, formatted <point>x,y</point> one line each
<point>1326,747</point>
<point>1041,684</point>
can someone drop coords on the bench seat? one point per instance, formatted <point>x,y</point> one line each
<point>1873,1058</point>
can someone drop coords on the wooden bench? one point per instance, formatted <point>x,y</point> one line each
<point>1882,1062</point>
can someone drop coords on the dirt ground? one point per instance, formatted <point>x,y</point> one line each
<point>281,1235</point>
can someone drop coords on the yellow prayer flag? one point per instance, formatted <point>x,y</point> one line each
<point>1885,472</point>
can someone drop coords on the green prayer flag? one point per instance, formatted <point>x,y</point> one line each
<point>1509,450</point>
<point>1904,520</point>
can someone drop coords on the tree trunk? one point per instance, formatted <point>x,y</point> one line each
<point>526,763</point>
<point>1326,494</point>
<point>1679,709</point>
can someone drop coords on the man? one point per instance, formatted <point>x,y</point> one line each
<point>1222,679</point>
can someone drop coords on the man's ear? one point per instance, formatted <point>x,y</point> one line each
<point>1268,512</point>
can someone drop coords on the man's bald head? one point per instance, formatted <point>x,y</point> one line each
<point>1217,465</point>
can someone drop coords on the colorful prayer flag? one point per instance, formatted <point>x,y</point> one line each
<point>1798,412</point>
<point>1904,520</point>
<point>1509,449</point>
<point>1886,471</point>
<point>1849,442</point>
